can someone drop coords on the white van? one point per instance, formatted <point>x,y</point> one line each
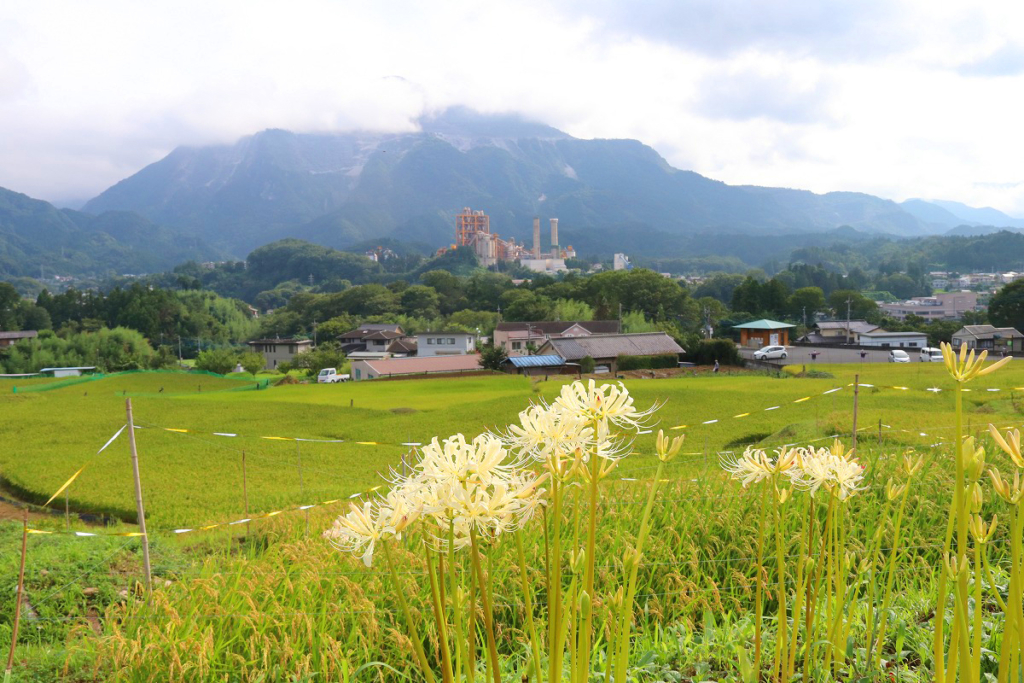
<point>930,355</point>
<point>330,376</point>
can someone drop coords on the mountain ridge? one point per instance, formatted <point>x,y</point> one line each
<point>339,189</point>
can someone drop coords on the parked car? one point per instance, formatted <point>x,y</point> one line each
<point>898,356</point>
<point>930,354</point>
<point>330,376</point>
<point>770,352</point>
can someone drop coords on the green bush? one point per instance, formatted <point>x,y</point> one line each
<point>587,365</point>
<point>707,351</point>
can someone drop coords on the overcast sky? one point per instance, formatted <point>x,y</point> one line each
<point>921,99</point>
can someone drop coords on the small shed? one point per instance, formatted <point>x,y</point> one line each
<point>764,332</point>
<point>67,372</point>
<point>537,365</point>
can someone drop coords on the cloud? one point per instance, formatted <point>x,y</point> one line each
<point>1008,60</point>
<point>749,94</point>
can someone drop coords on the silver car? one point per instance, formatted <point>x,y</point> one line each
<point>770,352</point>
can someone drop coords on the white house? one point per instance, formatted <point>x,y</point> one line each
<point>894,340</point>
<point>445,344</point>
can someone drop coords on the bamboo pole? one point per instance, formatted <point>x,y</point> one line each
<point>138,496</point>
<point>18,597</point>
<point>245,493</point>
<point>856,392</point>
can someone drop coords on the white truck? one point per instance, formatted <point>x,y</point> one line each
<point>330,376</point>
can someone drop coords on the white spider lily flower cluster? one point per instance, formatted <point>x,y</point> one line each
<point>462,486</point>
<point>755,465</point>
<point>811,469</point>
<point>605,403</point>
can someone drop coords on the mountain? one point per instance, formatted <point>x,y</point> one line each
<point>38,239</point>
<point>983,216</point>
<point>931,213</point>
<point>340,189</point>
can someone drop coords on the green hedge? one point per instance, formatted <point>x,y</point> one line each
<point>707,351</point>
<point>667,360</point>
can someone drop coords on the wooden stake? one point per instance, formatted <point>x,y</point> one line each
<point>856,391</point>
<point>879,431</point>
<point>67,511</point>
<point>17,603</point>
<point>302,487</point>
<point>138,496</point>
<point>245,493</point>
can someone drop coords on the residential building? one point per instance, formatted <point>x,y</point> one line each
<point>517,338</point>
<point>445,344</point>
<point>764,332</point>
<point>397,367</point>
<point>376,341</point>
<point>606,348</point>
<point>839,331</point>
<point>988,337</point>
<point>277,351</point>
<point>621,262</point>
<point>12,338</point>
<point>895,340</point>
<point>941,306</point>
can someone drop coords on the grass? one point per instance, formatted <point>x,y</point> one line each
<point>240,609</point>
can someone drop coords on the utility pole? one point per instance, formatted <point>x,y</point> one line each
<point>314,332</point>
<point>805,317</point>
<point>849,300</point>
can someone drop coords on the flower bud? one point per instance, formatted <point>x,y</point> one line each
<point>666,448</point>
<point>977,498</point>
<point>912,465</point>
<point>585,605</point>
<point>975,462</point>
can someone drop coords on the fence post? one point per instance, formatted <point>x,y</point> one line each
<point>879,431</point>
<point>138,496</point>
<point>17,604</point>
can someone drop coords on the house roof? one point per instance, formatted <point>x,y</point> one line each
<point>763,324</point>
<point>280,341</point>
<point>546,361</point>
<point>23,334</point>
<point>858,326</point>
<point>560,326</point>
<point>612,345</point>
<point>382,334</point>
<point>417,366</point>
<point>403,346</point>
<point>468,334</point>
<point>83,367</point>
<point>364,331</point>
<point>988,331</point>
<point>883,334</point>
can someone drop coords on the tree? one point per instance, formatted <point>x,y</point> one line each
<point>326,355</point>
<point>570,309</point>
<point>1006,309</point>
<point>219,361</point>
<point>634,322</point>
<point>806,301</point>
<point>420,300</point>
<point>493,357</point>
<point>524,305</point>
<point>860,307</point>
<point>586,365</point>
<point>252,362</point>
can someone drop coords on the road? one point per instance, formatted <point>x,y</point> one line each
<point>801,355</point>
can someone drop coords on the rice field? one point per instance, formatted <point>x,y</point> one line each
<point>274,601</point>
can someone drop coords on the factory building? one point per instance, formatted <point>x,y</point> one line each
<point>473,229</point>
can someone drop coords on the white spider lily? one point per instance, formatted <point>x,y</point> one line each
<point>752,467</point>
<point>359,530</point>
<point>605,403</point>
<point>832,469</point>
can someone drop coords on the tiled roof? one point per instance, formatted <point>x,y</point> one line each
<point>558,326</point>
<point>403,346</point>
<point>382,334</point>
<point>612,345</point>
<point>24,334</point>
<point>281,341</point>
<point>858,326</point>
<point>979,331</point>
<point>416,366</point>
<point>364,331</point>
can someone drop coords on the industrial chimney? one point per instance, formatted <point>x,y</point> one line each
<point>536,237</point>
<point>554,239</point>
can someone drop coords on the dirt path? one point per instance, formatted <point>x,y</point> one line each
<point>9,511</point>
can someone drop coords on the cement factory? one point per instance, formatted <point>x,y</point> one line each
<point>473,229</point>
